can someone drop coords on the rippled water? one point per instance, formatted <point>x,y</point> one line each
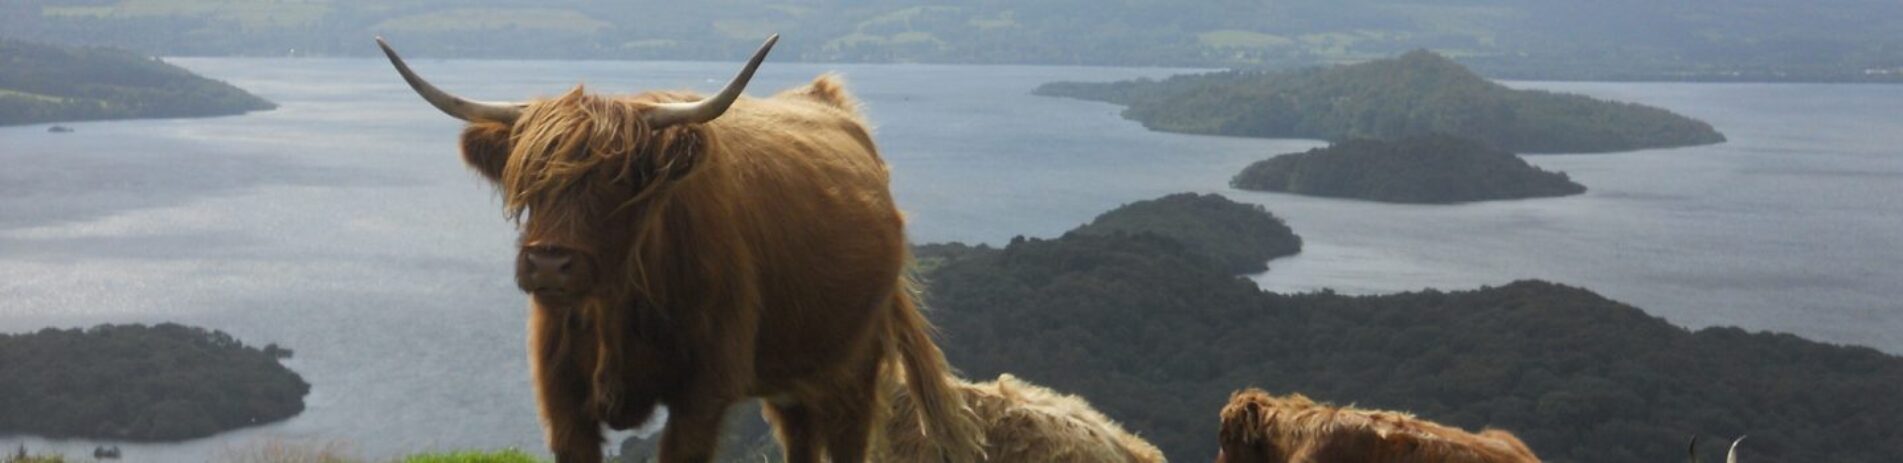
<point>343,226</point>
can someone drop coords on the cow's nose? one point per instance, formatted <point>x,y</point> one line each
<point>547,269</point>
<point>549,260</point>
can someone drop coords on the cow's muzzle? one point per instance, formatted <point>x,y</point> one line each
<point>554,276</point>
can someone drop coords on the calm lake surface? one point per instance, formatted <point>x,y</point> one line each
<point>344,226</point>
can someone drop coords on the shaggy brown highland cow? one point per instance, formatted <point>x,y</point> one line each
<point>1023,423</point>
<point>1260,428</point>
<point>694,252</point>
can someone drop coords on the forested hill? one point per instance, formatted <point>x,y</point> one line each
<point>1241,237</point>
<point>1429,169</point>
<point>163,382</point>
<point>1156,335</point>
<point>1857,40</point>
<point>49,83</point>
<point>1418,93</point>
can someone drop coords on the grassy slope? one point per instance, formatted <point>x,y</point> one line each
<point>284,453</point>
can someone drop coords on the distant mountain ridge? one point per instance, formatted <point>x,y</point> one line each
<point>1775,40</point>
<point>1419,93</point>
<point>49,83</point>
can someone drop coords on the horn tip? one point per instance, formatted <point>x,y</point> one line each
<point>387,51</point>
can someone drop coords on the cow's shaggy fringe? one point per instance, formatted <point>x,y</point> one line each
<point>563,143</point>
<point>1258,427</point>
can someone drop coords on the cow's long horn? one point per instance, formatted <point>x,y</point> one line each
<point>668,114</point>
<point>1732,456</point>
<point>454,106</point>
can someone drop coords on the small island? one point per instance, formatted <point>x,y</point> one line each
<point>42,83</point>
<point>166,382</point>
<point>1428,169</point>
<point>1242,238</point>
<point>1418,93</point>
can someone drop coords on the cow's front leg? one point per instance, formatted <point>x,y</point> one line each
<point>610,334</point>
<point>561,355</point>
<point>724,332</point>
<point>693,431</point>
<point>638,386</point>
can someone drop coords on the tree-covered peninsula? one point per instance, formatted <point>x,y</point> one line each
<point>1418,93</point>
<point>47,83</point>
<point>141,383</point>
<point>1431,169</point>
<point>1156,334</point>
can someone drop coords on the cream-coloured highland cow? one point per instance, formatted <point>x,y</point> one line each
<point>1022,422</point>
<point>1261,428</point>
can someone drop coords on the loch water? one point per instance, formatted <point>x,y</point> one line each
<point>342,224</point>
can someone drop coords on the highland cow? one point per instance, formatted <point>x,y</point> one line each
<point>695,252</point>
<point>1731,456</point>
<point>1260,428</point>
<point>1022,422</point>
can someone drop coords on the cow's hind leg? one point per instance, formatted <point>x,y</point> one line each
<point>850,413</point>
<point>796,427</point>
<point>848,434</point>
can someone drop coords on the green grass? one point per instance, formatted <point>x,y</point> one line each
<point>35,459</point>
<point>470,456</point>
<point>903,17</point>
<point>1005,19</point>
<point>302,452</point>
<point>745,28</point>
<point>1231,38</point>
<point>1480,22</point>
<point>252,14</point>
<point>463,19</point>
<point>36,96</point>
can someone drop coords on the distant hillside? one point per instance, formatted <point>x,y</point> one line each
<point>1156,336</point>
<point>164,382</point>
<point>1418,93</point>
<point>1241,237</point>
<point>1434,169</point>
<point>48,83</point>
<point>1777,40</point>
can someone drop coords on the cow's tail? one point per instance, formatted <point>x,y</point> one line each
<point>947,421</point>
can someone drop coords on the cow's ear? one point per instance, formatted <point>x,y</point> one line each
<point>486,148</point>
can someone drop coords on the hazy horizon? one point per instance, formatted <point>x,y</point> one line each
<point>1756,40</point>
